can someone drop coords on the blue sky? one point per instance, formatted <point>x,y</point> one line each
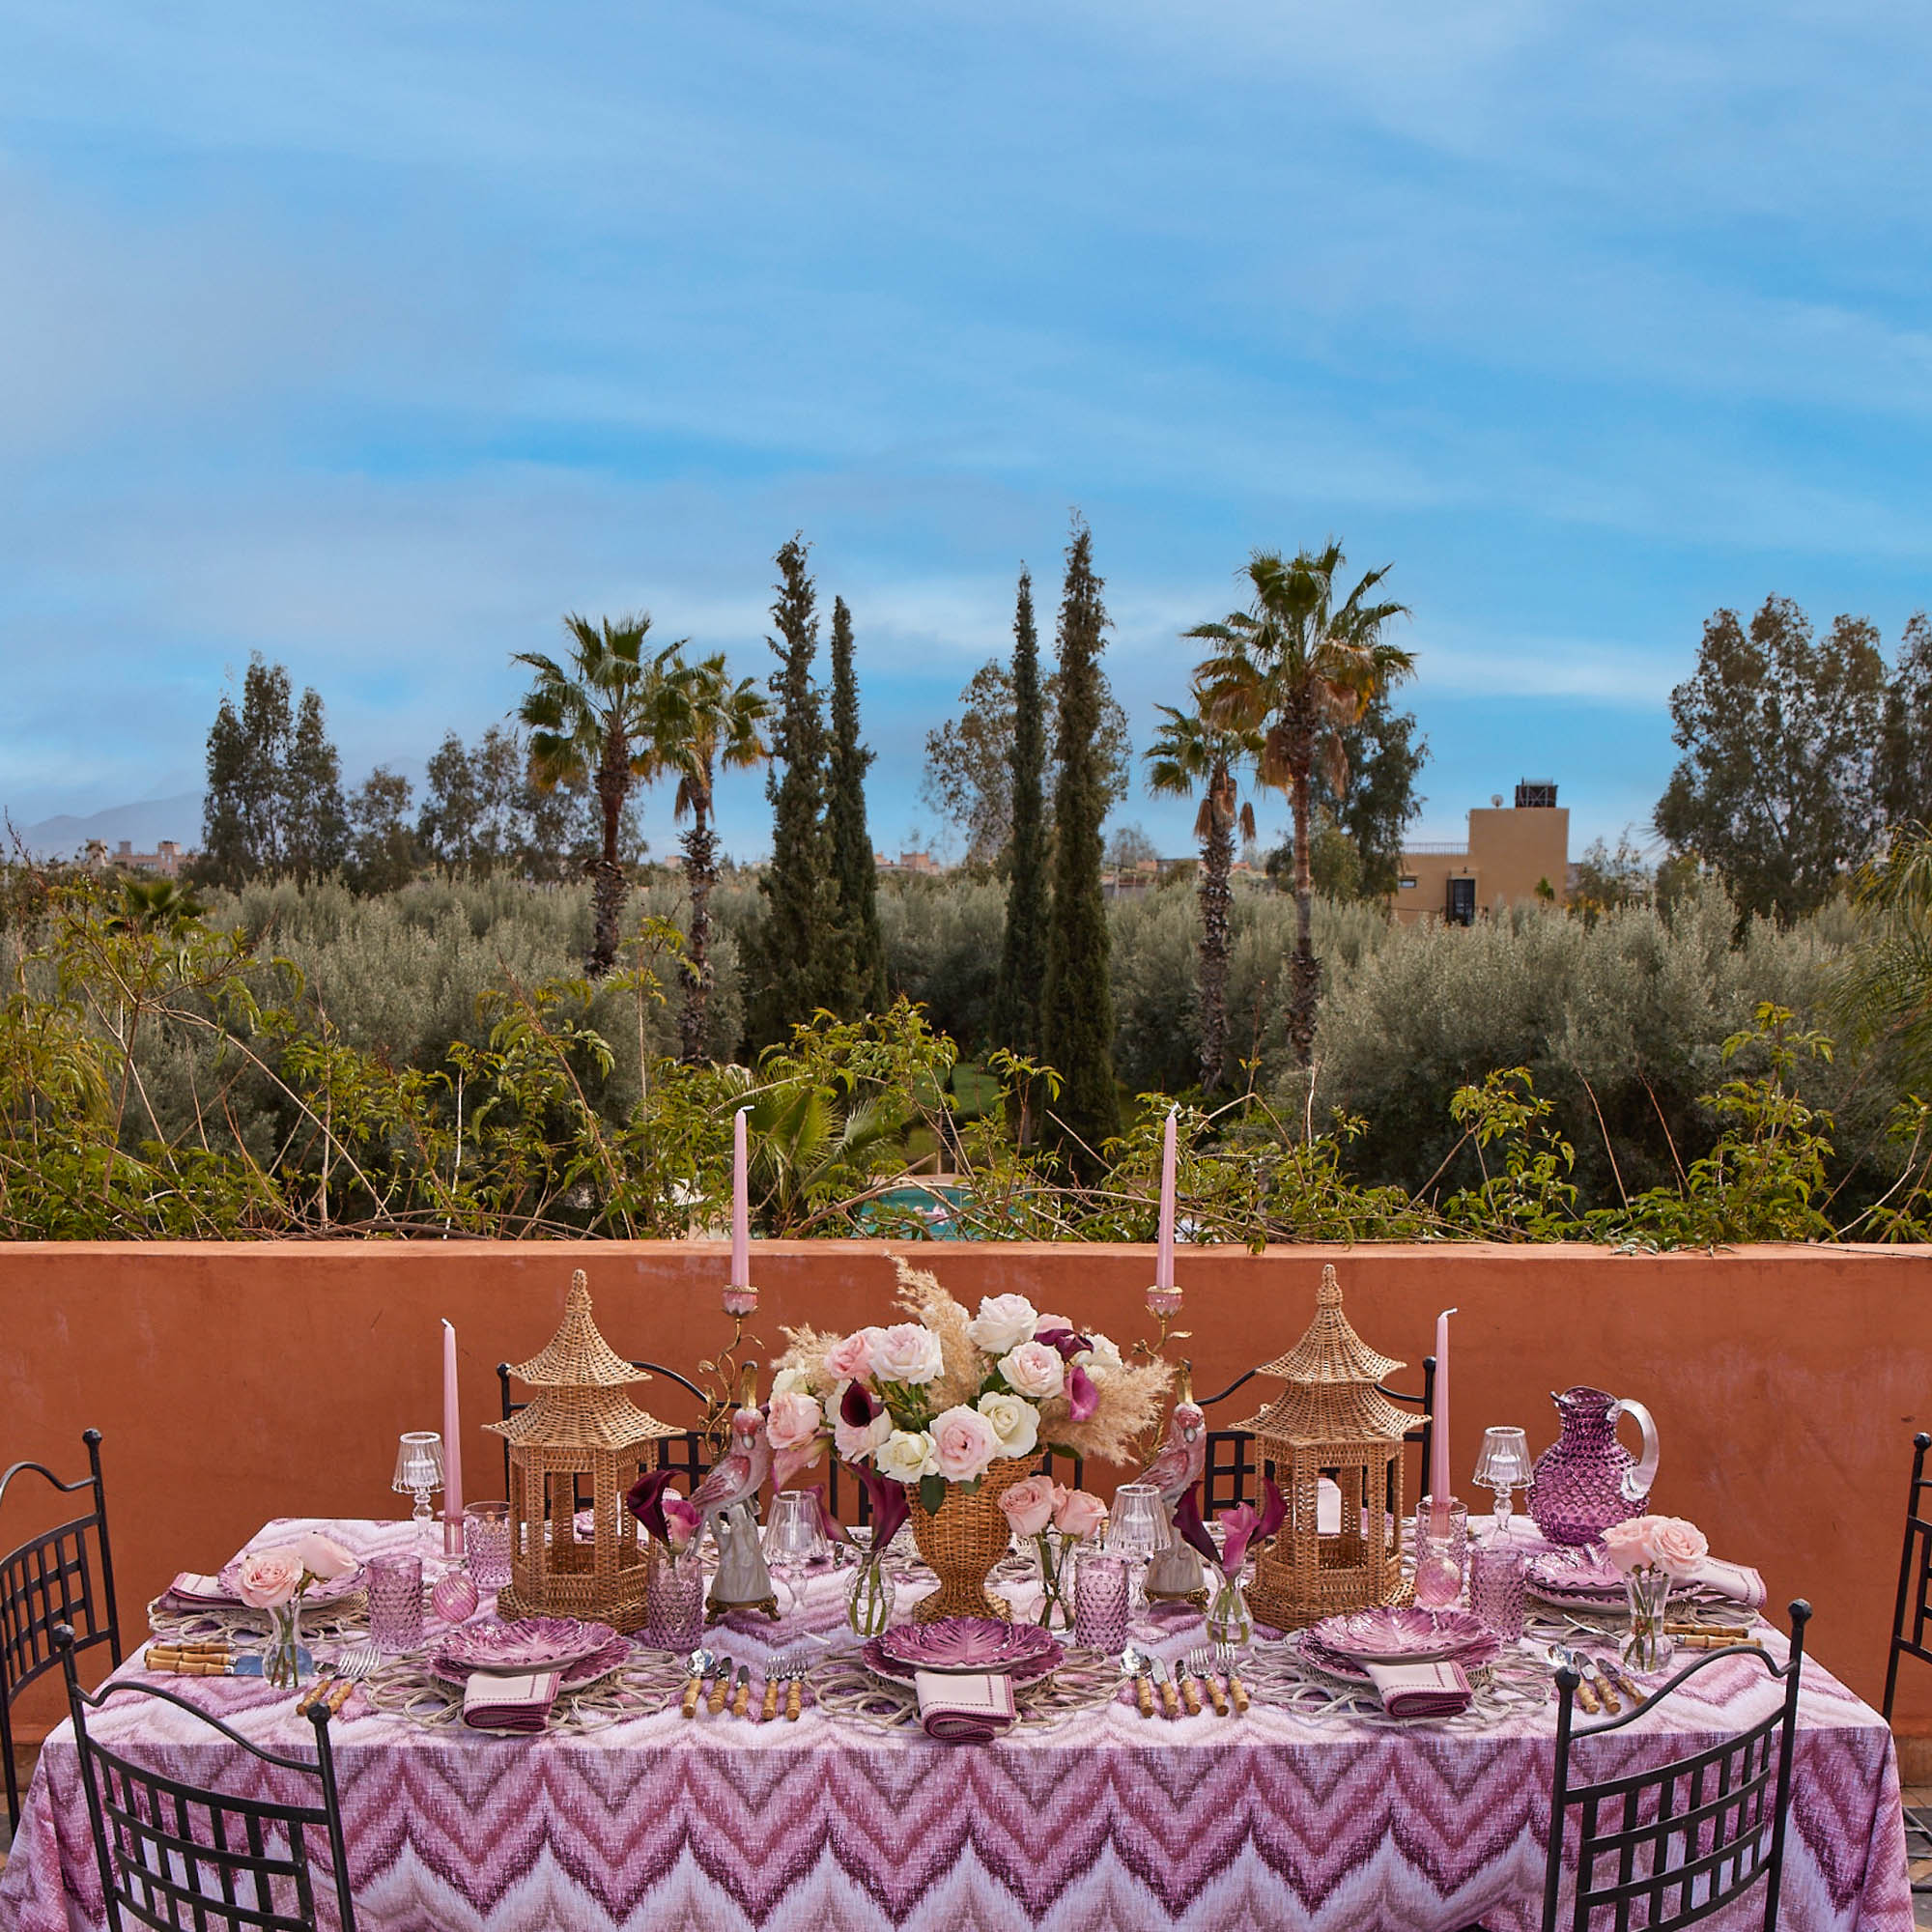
<point>375,338</point>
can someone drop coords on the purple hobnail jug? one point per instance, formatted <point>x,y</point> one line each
<point>1586,1479</point>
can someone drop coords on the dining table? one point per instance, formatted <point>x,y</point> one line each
<point>1312,1810</point>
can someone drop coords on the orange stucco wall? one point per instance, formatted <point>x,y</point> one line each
<point>237,1382</point>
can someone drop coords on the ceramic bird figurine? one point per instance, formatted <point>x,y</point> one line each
<point>743,1581</point>
<point>1175,1574</point>
<point>741,1473</point>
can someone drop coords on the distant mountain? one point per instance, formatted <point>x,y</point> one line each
<point>144,824</point>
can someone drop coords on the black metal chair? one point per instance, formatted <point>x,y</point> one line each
<point>48,1581</point>
<point>180,1857</point>
<point>1910,1618</point>
<point>1231,1475</point>
<point>683,1452</point>
<point>1678,1840</point>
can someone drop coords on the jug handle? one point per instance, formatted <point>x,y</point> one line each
<point>1638,1481</point>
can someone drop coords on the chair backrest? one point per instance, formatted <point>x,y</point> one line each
<point>1231,1475</point>
<point>182,1858</point>
<point>1913,1612</point>
<point>683,1452</point>
<point>1676,1841</point>
<point>49,1580</point>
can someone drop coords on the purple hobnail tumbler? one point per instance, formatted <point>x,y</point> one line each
<point>396,1602</point>
<point>1101,1600</point>
<point>1498,1587</point>
<point>486,1536</point>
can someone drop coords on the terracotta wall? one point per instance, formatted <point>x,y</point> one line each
<point>239,1383</point>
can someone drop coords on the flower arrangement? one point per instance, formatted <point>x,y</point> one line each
<point>1650,1554</point>
<point>1040,1508</point>
<point>935,1400</point>
<point>666,1518</point>
<point>1243,1528</point>
<point>276,1580</point>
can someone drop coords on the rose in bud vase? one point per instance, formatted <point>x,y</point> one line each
<point>276,1581</point>
<point>1059,1521</point>
<point>957,1408</point>
<point>1243,1528</point>
<point>1651,1554</point>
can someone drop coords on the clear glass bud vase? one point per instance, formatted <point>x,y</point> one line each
<point>1648,1646</point>
<point>1229,1618</point>
<point>282,1661</point>
<point>1057,1565</point>
<point>869,1604</point>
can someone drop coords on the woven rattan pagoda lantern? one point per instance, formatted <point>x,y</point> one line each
<point>1331,1420</point>
<point>581,1431</point>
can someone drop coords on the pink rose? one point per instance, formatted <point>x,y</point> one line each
<point>1632,1545</point>
<point>965,1442</point>
<point>1030,1506</point>
<point>856,1442</point>
<point>1033,1369</point>
<point>322,1557</point>
<point>850,1360</point>
<point>681,1522</point>
<point>1681,1547</point>
<point>1045,1325</point>
<point>1079,1514</point>
<point>905,1353</point>
<point>269,1577</point>
<point>793,1421</point>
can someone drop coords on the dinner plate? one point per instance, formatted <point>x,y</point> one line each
<point>525,1644</point>
<point>1401,1634</point>
<point>881,1664</point>
<point>1307,1651</point>
<point>976,1646</point>
<point>318,1594</point>
<point>585,1671</point>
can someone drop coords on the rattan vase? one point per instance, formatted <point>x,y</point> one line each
<point>963,1541</point>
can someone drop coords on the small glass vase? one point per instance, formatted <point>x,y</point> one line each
<point>1229,1618</point>
<point>674,1599</point>
<point>282,1660</point>
<point>1058,1567</point>
<point>1647,1647</point>
<point>869,1604</point>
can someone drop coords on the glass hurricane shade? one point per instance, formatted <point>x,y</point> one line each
<point>418,1468</point>
<point>795,1537</point>
<point>1502,1465</point>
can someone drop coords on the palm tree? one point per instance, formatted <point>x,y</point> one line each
<point>1300,668</point>
<point>1190,753</point>
<point>703,721</point>
<point>591,724</point>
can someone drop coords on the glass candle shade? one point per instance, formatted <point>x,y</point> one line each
<point>418,1470</point>
<point>486,1536</point>
<point>1498,1586</point>
<point>795,1537</point>
<point>1502,1465</point>
<point>1101,1600</point>
<point>1441,1557</point>
<point>396,1602</point>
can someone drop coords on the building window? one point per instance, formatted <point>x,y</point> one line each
<point>1461,908</point>
<point>1406,883</point>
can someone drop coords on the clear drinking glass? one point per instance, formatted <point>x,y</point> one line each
<point>1136,1528</point>
<point>1498,1586</point>
<point>1101,1600</point>
<point>486,1536</point>
<point>396,1601</point>
<point>795,1538</point>
<point>1502,1465</point>
<point>1442,1561</point>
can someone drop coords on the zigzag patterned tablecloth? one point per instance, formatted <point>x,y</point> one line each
<point>1105,1823</point>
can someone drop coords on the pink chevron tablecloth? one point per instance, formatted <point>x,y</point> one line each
<point>1105,1823</point>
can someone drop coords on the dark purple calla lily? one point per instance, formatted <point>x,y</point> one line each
<point>1246,1526</point>
<point>1082,1397</point>
<point>1193,1531</point>
<point>1066,1341</point>
<point>855,1406</point>
<point>890,1505</point>
<point>646,1501</point>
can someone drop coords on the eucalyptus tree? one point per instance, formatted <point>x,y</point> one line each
<point>1299,667</point>
<point>591,722</point>
<point>704,722</point>
<point>1192,754</point>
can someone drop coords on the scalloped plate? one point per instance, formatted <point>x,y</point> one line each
<point>1307,1649</point>
<point>528,1643</point>
<point>875,1660</point>
<point>1401,1634</point>
<point>314,1598</point>
<point>587,1670</point>
<point>978,1646</point>
<point>1577,1574</point>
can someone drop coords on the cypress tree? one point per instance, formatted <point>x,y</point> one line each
<point>852,863</point>
<point>316,835</point>
<point>1023,956</point>
<point>800,958</point>
<point>1076,1005</point>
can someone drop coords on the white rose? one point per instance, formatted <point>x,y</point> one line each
<point>1004,1321</point>
<point>906,1455</point>
<point>1016,1423</point>
<point>855,1444</point>
<point>1102,1357</point>
<point>790,1381</point>
<point>905,1353</point>
<point>1033,1369</point>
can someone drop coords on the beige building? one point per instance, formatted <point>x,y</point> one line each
<point>1514,855</point>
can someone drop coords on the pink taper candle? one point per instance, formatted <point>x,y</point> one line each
<point>741,1208</point>
<point>1439,1470</point>
<point>1163,1260</point>
<point>452,1448</point>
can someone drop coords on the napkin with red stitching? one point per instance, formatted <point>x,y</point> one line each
<point>964,1709</point>
<point>1421,1689</point>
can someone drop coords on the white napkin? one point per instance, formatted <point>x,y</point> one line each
<point>494,1702</point>
<point>1437,1690</point>
<point>190,1588</point>
<point>1735,1582</point>
<point>962,1709</point>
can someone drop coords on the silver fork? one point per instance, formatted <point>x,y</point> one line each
<point>358,1660</point>
<point>1230,1665</point>
<point>1201,1664</point>
<point>792,1674</point>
